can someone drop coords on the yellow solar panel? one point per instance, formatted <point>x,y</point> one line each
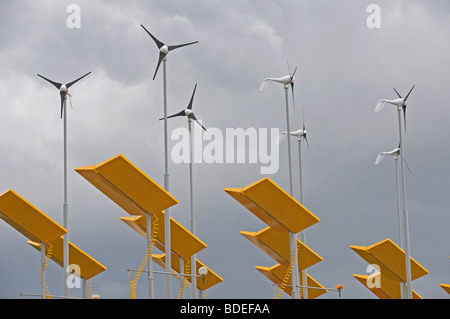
<point>89,267</point>
<point>445,287</point>
<point>128,186</point>
<point>274,206</point>
<point>211,278</point>
<point>277,273</point>
<point>27,219</point>
<point>391,260</point>
<point>183,242</point>
<point>387,289</point>
<point>276,245</point>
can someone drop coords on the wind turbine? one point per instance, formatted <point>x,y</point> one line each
<point>395,153</point>
<point>301,135</point>
<point>401,104</point>
<point>188,111</point>
<point>163,52</point>
<point>164,49</point>
<point>64,92</point>
<point>287,81</point>
<point>190,116</point>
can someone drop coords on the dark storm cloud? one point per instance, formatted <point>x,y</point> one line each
<point>343,69</point>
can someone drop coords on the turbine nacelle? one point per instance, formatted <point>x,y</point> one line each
<point>164,49</point>
<point>63,88</point>
<point>188,112</point>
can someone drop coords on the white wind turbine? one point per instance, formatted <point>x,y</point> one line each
<point>301,135</point>
<point>401,105</point>
<point>395,153</point>
<point>164,50</point>
<point>287,81</point>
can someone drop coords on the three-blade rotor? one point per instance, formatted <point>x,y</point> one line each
<point>63,88</point>
<point>404,103</point>
<point>188,111</point>
<point>164,49</point>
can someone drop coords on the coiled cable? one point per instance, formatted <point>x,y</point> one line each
<point>287,276</point>
<point>147,256</point>
<point>43,267</point>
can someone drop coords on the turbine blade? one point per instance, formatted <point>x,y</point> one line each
<point>404,159</point>
<point>397,93</point>
<point>63,96</point>
<point>306,140</point>
<point>182,113</point>
<point>295,70</point>
<point>409,92</point>
<point>158,43</point>
<point>68,85</point>
<point>192,116</point>
<point>293,99</point>
<point>173,47</point>
<point>161,57</point>
<point>56,84</point>
<point>192,98</point>
<point>289,69</point>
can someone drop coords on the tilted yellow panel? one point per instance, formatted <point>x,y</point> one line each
<point>127,186</point>
<point>384,288</point>
<point>364,254</point>
<point>211,278</point>
<point>445,287</point>
<point>274,206</point>
<point>277,273</point>
<point>182,242</point>
<point>276,245</point>
<point>27,219</point>
<point>387,255</point>
<point>89,267</point>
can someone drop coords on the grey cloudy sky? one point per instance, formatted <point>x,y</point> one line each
<point>344,67</point>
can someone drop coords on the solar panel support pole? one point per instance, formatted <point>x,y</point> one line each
<point>166,187</point>
<point>405,212</point>
<point>181,275</point>
<point>292,236</point>
<point>85,292</point>
<point>193,257</point>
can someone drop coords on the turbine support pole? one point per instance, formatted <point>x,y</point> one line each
<point>166,187</point>
<point>399,216</point>
<point>292,236</point>
<point>65,208</point>
<point>304,292</point>
<point>405,214</point>
<point>191,162</point>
